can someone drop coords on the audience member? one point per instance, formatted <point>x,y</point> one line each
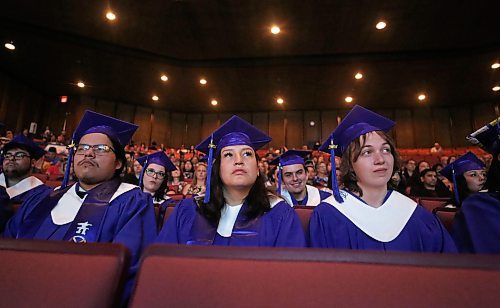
<point>197,187</point>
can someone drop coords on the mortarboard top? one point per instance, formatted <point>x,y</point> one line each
<point>357,122</point>
<point>117,130</point>
<point>159,158</point>
<point>290,157</point>
<point>464,163</point>
<point>23,142</point>
<point>92,122</point>
<point>487,137</point>
<point>234,131</point>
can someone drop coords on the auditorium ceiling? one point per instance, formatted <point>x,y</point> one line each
<point>442,49</point>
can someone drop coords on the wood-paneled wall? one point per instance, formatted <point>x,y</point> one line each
<point>417,127</point>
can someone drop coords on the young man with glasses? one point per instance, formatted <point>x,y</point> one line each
<point>99,207</point>
<point>18,158</point>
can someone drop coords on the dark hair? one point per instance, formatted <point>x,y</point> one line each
<point>257,200</point>
<point>351,154</point>
<point>463,190</point>
<point>425,171</point>
<point>120,155</point>
<point>493,178</point>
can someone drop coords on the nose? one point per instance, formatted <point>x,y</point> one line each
<point>238,159</point>
<point>378,158</point>
<point>89,153</point>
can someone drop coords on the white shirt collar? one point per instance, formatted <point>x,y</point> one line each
<point>227,219</point>
<point>384,223</point>
<point>21,187</point>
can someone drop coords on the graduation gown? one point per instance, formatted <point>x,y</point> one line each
<point>17,194</point>
<point>476,227</point>
<point>278,227</point>
<point>313,197</point>
<point>127,219</point>
<point>399,224</point>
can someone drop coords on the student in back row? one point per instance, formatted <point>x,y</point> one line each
<point>368,215</point>
<point>236,209</point>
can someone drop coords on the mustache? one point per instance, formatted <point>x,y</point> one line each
<point>89,161</point>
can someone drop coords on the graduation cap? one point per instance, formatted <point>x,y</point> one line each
<point>464,163</point>
<point>357,122</point>
<point>92,122</point>
<point>290,157</point>
<point>487,137</point>
<point>234,131</point>
<point>158,158</point>
<point>23,142</point>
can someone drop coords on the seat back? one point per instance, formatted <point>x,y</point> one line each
<point>61,274</point>
<point>431,203</point>
<point>168,211</point>
<point>264,277</point>
<point>304,213</point>
<point>446,216</point>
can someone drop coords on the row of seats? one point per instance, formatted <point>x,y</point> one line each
<point>62,274</point>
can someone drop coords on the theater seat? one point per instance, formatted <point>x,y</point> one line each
<point>446,216</point>
<point>432,203</point>
<point>61,274</point>
<point>304,213</point>
<point>187,276</point>
<point>168,211</point>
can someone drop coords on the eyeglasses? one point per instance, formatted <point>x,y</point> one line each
<point>98,149</point>
<point>15,156</point>
<point>159,174</point>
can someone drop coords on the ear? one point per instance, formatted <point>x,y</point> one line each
<point>118,164</point>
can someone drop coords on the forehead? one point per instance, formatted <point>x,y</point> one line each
<point>236,148</point>
<point>293,168</point>
<point>15,150</point>
<point>156,167</point>
<point>95,138</point>
<point>372,138</point>
<point>430,173</point>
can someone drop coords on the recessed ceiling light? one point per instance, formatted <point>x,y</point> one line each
<point>10,45</point>
<point>381,25</point>
<point>348,99</point>
<point>496,88</point>
<point>275,30</point>
<point>280,100</point>
<point>214,102</point>
<point>155,98</point>
<point>312,123</point>
<point>164,77</point>
<point>421,97</point>
<point>203,81</point>
<point>495,65</point>
<point>110,15</point>
<point>358,75</point>
<point>80,84</point>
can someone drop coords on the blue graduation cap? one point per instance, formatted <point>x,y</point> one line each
<point>487,137</point>
<point>290,157</point>
<point>464,163</point>
<point>23,142</point>
<point>92,122</point>
<point>234,131</point>
<point>357,122</point>
<point>159,158</point>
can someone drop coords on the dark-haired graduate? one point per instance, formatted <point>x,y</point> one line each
<point>99,207</point>
<point>476,228</point>
<point>236,209</point>
<point>367,214</point>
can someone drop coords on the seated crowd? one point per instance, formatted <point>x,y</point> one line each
<point>229,191</point>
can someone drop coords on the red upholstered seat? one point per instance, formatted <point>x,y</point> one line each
<point>446,216</point>
<point>168,211</point>
<point>61,274</point>
<point>432,203</point>
<point>304,213</point>
<point>272,277</point>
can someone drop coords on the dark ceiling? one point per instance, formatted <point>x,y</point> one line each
<point>442,48</point>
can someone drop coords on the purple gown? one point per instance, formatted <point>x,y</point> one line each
<point>423,232</point>
<point>476,227</point>
<point>278,227</point>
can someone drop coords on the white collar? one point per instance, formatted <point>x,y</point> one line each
<point>227,219</point>
<point>21,187</point>
<point>384,223</point>
<point>313,196</point>
<point>68,206</point>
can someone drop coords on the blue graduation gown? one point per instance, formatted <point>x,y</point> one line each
<point>280,227</point>
<point>423,232</point>
<point>129,220</point>
<point>476,227</point>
